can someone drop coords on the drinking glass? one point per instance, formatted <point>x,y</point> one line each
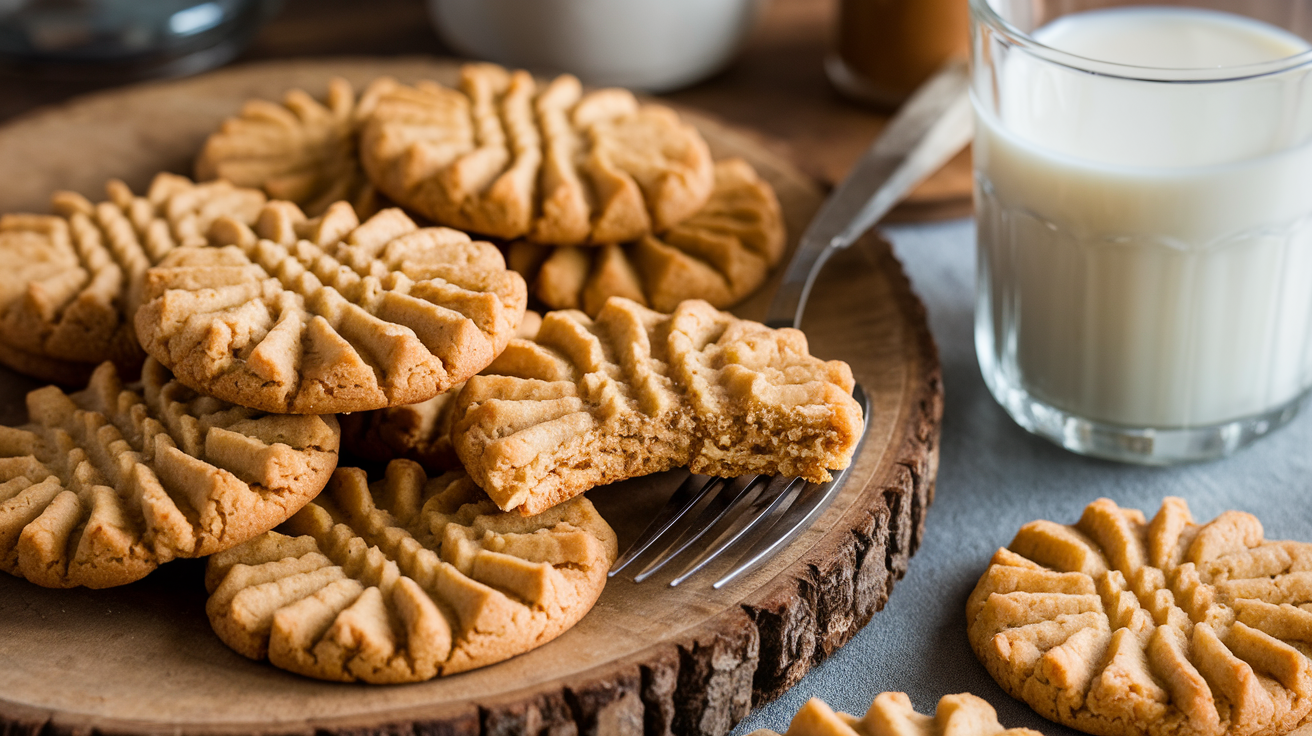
<point>1145,233</point>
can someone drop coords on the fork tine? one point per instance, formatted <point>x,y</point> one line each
<point>685,497</point>
<point>791,521</point>
<point>780,492</point>
<point>735,489</point>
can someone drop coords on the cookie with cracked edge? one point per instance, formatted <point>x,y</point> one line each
<point>504,157</point>
<point>407,578</point>
<point>327,315</point>
<point>635,392</point>
<point>71,279</point>
<point>1120,625</point>
<point>891,714</point>
<point>419,432</point>
<point>719,255</point>
<point>103,485</point>
<point>303,150</point>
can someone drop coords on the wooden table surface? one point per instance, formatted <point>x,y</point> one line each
<point>776,87</point>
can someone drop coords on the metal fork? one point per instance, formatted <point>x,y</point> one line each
<point>761,514</point>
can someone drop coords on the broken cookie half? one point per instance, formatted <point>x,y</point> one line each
<point>635,392</point>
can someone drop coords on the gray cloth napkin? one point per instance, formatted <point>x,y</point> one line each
<point>993,478</point>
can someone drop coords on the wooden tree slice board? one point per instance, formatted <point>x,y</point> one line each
<point>647,659</point>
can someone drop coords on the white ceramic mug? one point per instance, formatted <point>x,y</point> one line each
<point>654,45</point>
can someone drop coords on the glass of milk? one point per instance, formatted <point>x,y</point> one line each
<point>1143,184</point>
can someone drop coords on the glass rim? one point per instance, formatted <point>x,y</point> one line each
<point>982,11</point>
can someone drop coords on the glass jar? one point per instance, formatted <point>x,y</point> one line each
<point>884,49</point>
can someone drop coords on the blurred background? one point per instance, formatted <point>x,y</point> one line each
<point>765,65</point>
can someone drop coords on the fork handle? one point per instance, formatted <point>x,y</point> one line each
<point>929,129</point>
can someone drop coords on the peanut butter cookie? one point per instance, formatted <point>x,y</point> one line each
<point>303,150</point>
<point>406,579</point>
<point>1119,625</point>
<point>103,485</point>
<point>503,157</point>
<point>719,255</point>
<point>329,315</point>
<point>892,715</point>
<point>71,279</point>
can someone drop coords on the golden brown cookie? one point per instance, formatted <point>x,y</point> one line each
<point>103,485</point>
<point>505,157</point>
<point>892,715</point>
<point>719,255</point>
<point>302,151</point>
<point>329,315</point>
<point>419,432</point>
<point>406,579</point>
<point>70,279</point>
<point>1119,625</point>
<point>637,392</point>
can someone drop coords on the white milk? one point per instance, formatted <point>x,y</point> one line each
<point>1146,248</point>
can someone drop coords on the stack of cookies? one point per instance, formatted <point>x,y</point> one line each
<point>591,194</point>
<point>333,292</point>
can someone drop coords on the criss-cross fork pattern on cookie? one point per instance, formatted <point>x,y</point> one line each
<point>637,392</point>
<point>70,279</point>
<point>329,315</point>
<point>302,151</point>
<point>1118,625</point>
<point>406,579</point>
<point>892,715</point>
<point>720,255</point>
<point>103,485</point>
<point>502,157</point>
